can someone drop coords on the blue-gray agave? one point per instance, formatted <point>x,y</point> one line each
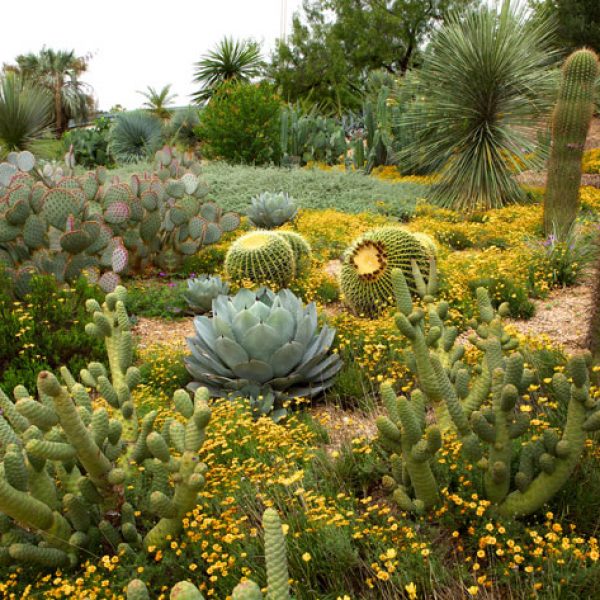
<point>270,210</point>
<point>262,343</point>
<point>203,290</point>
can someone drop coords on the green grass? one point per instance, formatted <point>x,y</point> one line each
<point>232,186</point>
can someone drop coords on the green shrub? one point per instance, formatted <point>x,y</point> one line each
<point>157,298</point>
<point>241,124</point>
<point>44,331</point>
<point>90,145</point>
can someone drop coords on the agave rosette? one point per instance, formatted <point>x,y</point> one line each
<point>261,342</point>
<point>201,291</point>
<point>270,210</point>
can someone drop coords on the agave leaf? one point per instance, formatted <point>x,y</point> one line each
<point>281,320</point>
<point>230,352</point>
<point>254,370</point>
<point>242,323</point>
<point>286,358</point>
<point>261,341</point>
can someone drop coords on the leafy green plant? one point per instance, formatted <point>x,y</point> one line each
<point>135,136</point>
<point>45,330</point>
<point>90,145</point>
<point>483,84</point>
<point>241,124</point>
<point>25,112</point>
<point>182,127</point>
<point>157,298</point>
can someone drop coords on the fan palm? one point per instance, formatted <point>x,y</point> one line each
<point>231,59</point>
<point>483,86</point>
<point>25,112</point>
<point>157,102</point>
<point>59,72</point>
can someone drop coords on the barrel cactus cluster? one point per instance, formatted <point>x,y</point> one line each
<point>270,210</point>
<point>277,572</point>
<point>68,226</point>
<point>479,404</point>
<point>69,458</point>
<point>264,346</point>
<point>366,275</point>
<point>268,257</point>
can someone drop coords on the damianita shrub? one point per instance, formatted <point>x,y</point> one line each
<point>487,430</point>
<point>265,346</point>
<point>69,465</point>
<point>570,124</point>
<point>278,587</point>
<point>77,224</point>
<point>240,124</point>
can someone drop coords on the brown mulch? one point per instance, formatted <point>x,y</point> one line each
<point>563,317</point>
<point>148,331</point>
<point>538,179</point>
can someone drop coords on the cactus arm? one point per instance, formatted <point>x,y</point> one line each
<point>275,556</point>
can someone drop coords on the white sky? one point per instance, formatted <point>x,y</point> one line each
<point>136,43</point>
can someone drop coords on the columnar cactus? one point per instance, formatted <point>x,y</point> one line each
<point>570,124</point>
<point>488,428</point>
<point>66,460</point>
<point>277,572</point>
<point>74,225</point>
<point>593,337</point>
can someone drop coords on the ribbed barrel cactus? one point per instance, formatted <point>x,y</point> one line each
<point>263,345</point>
<point>201,292</point>
<point>365,278</point>
<point>301,249</point>
<point>570,124</point>
<point>68,226</point>
<point>263,257</point>
<point>68,460</point>
<point>278,587</point>
<point>270,210</point>
<point>481,406</point>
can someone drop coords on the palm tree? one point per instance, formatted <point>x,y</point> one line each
<point>25,112</point>
<point>59,72</point>
<point>157,102</point>
<point>231,59</point>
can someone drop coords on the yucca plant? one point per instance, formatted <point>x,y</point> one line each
<point>135,136</point>
<point>485,81</point>
<point>25,112</point>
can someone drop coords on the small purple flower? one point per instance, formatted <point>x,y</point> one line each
<point>171,284</point>
<point>161,274</point>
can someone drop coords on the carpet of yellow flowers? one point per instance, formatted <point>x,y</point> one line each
<point>342,534</point>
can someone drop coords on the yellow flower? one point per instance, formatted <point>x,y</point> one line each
<point>306,557</point>
<point>473,590</point>
<point>411,590</point>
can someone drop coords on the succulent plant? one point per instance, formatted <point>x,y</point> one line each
<point>365,278</point>
<point>301,249</point>
<point>258,343</point>
<point>66,462</point>
<point>263,257</point>
<point>492,434</point>
<point>68,226</point>
<point>203,290</point>
<point>570,124</point>
<point>269,210</point>
<point>278,587</point>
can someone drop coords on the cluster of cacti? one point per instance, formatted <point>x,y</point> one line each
<point>481,405</point>
<point>201,292</point>
<point>570,124</point>
<point>268,257</point>
<point>85,224</point>
<point>69,462</point>
<point>277,572</point>
<point>310,138</point>
<point>269,210</point>
<point>264,346</point>
<point>366,275</point>
<point>593,336</point>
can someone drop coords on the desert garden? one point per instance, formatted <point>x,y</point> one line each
<point>261,346</point>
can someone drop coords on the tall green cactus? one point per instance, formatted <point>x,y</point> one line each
<point>570,124</point>
<point>593,336</point>
<point>487,427</point>
<point>277,572</point>
<point>65,462</point>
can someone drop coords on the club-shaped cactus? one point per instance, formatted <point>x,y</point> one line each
<point>278,587</point>
<point>66,460</point>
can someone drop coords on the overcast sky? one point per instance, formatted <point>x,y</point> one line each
<point>136,43</point>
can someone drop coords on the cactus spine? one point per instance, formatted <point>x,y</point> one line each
<point>570,124</point>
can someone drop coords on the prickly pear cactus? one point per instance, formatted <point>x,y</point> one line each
<point>66,459</point>
<point>69,226</point>
<point>480,405</point>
